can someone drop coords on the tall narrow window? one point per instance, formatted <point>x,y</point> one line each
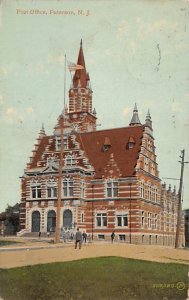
<point>142,219</point>
<point>112,189</point>
<point>36,191</point>
<point>155,221</point>
<point>68,187</point>
<point>149,220</point>
<point>51,192</point>
<point>82,189</point>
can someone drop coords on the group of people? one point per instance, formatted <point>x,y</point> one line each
<point>79,237</point>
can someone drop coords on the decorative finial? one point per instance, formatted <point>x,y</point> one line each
<point>135,118</point>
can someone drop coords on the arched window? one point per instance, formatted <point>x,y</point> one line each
<point>67,219</point>
<point>36,221</point>
<point>51,221</point>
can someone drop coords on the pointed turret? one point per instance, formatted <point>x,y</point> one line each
<point>148,120</point>
<point>42,132</point>
<point>135,118</point>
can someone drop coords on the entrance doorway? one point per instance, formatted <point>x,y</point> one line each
<point>36,221</point>
<point>51,221</point>
<point>67,219</point>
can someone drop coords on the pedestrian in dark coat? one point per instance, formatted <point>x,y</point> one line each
<point>78,238</point>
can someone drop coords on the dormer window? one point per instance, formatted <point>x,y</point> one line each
<point>107,144</point>
<point>131,143</point>
<point>58,143</point>
<point>71,160</point>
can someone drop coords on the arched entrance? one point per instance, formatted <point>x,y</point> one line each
<point>67,219</point>
<point>51,221</point>
<point>36,221</point>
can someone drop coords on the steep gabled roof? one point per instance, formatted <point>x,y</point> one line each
<point>126,159</point>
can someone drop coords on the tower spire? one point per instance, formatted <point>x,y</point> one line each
<point>148,121</point>
<point>81,75</point>
<point>135,118</point>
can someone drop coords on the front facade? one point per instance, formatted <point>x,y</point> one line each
<point>110,179</point>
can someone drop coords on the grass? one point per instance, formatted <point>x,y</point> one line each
<point>5,243</point>
<point>105,278</point>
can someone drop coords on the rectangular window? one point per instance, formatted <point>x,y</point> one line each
<point>112,189</point>
<point>101,220</point>
<point>155,221</point>
<point>36,191</point>
<point>122,237</point>
<point>142,219</point>
<point>122,220</point>
<point>58,143</point>
<point>68,188</point>
<point>149,220</point>
<point>101,237</point>
<point>51,192</point>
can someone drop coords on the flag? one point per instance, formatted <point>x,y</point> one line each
<point>73,67</point>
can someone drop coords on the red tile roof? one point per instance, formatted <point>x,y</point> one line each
<point>126,159</point>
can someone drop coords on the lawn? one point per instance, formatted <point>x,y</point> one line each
<point>6,243</point>
<point>105,278</point>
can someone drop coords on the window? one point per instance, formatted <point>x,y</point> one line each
<point>82,189</point>
<point>122,220</point>
<point>58,143</point>
<point>101,220</point>
<point>155,221</point>
<point>36,191</point>
<point>149,220</point>
<point>101,237</point>
<point>68,187</point>
<point>82,217</point>
<point>142,189</point>
<point>51,192</point>
<point>70,160</point>
<point>122,237</point>
<point>112,189</point>
<point>142,219</point>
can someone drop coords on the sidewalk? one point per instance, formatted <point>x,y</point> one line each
<point>29,253</point>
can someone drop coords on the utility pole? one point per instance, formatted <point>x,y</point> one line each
<point>57,233</point>
<point>179,213</point>
<point>130,184</point>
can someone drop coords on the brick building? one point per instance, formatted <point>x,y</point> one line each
<point>110,178</point>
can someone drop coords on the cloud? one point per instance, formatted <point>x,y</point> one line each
<point>11,111</point>
<point>13,115</point>
<point>126,111</point>
<point>1,99</point>
<point>29,109</point>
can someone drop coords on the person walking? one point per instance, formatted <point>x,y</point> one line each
<point>112,236</point>
<point>78,238</point>
<point>84,237</point>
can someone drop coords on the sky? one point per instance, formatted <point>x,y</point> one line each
<point>135,51</point>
